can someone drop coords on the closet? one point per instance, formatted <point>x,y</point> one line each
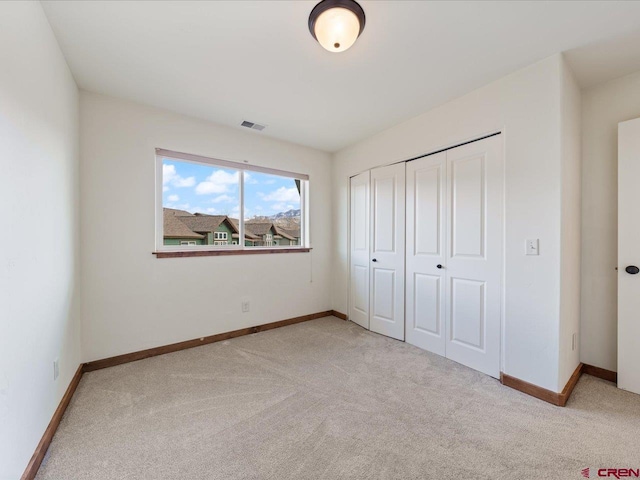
<point>434,275</point>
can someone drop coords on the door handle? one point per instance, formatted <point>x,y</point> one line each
<point>439,266</point>
<point>374,260</point>
<point>632,270</point>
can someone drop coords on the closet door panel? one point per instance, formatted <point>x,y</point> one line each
<point>468,206</point>
<point>384,294</point>
<point>359,250</point>
<point>387,252</point>
<point>474,257</point>
<point>427,305</point>
<point>426,242</point>
<point>468,314</point>
<point>384,214</point>
<point>426,203</point>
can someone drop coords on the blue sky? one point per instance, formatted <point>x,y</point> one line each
<point>213,190</point>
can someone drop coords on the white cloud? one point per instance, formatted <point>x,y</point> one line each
<point>218,182</point>
<point>173,198</point>
<point>212,210</point>
<point>223,199</point>
<point>184,182</point>
<point>171,178</point>
<point>282,207</point>
<point>249,179</point>
<point>283,194</point>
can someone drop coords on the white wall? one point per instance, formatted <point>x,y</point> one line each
<point>39,296</point>
<point>603,107</point>
<point>570,227</point>
<point>133,301</point>
<point>527,107</point>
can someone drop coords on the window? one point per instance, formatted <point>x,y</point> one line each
<point>208,204</point>
<point>273,208</point>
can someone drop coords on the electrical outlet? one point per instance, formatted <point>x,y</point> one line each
<point>574,341</point>
<point>531,247</point>
<point>245,306</point>
<point>56,369</point>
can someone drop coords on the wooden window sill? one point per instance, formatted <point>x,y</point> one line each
<point>219,253</point>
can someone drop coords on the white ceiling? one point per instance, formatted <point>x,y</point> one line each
<point>612,58</point>
<point>227,61</point>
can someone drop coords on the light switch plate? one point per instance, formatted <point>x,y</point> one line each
<point>531,247</point>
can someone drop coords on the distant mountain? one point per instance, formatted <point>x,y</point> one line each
<point>289,220</point>
<point>287,214</point>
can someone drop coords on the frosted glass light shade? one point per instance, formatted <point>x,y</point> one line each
<point>337,29</point>
<point>336,24</point>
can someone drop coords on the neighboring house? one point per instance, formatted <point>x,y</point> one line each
<point>184,228</point>
<point>270,235</point>
<point>217,229</point>
<point>292,233</point>
<point>175,232</point>
<point>250,240</point>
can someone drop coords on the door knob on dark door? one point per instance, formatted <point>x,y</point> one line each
<point>632,269</point>
<point>439,266</point>
<point>374,260</point>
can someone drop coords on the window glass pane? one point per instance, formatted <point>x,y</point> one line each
<point>200,203</point>
<point>272,213</point>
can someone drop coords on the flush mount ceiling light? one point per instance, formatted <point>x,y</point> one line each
<point>336,24</point>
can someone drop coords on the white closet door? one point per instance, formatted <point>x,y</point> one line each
<point>426,245</point>
<point>387,250</point>
<point>360,249</point>
<point>474,250</point>
<point>628,256</point>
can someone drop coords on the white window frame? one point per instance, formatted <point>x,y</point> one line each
<point>188,243</point>
<point>220,236</point>
<point>240,167</point>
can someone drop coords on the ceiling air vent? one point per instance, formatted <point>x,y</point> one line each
<point>253,126</point>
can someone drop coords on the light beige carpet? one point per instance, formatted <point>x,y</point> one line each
<point>326,399</point>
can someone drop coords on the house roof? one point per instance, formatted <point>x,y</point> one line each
<point>178,213</point>
<point>247,232</point>
<point>284,233</point>
<point>293,232</point>
<point>173,227</point>
<point>263,228</point>
<point>182,224</point>
<point>259,228</point>
<point>205,223</point>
